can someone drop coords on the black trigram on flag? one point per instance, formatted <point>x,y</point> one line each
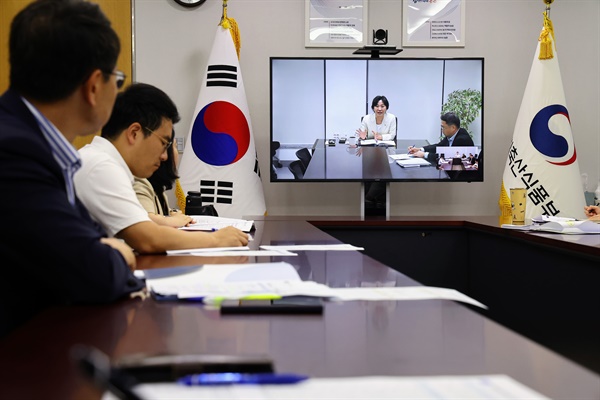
<point>221,75</point>
<point>256,166</point>
<point>220,192</point>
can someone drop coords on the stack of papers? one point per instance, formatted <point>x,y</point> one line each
<point>273,281</point>
<point>210,223</point>
<point>220,279</point>
<point>413,162</point>
<point>367,142</point>
<point>571,227</point>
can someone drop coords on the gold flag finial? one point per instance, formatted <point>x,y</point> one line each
<point>231,24</point>
<point>547,35</point>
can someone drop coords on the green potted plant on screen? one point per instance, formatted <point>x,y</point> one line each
<point>464,103</point>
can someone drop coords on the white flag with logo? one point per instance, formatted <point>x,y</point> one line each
<point>219,159</point>
<point>542,156</point>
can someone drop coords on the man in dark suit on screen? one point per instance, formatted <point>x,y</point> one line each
<point>454,135</point>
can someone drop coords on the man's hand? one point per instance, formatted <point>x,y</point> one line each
<point>123,248</point>
<point>592,212</point>
<point>230,237</point>
<point>178,219</point>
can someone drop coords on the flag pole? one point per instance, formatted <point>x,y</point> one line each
<point>227,23</point>
<point>542,156</point>
<point>231,24</point>
<point>224,14</point>
<point>220,157</point>
<point>547,3</point>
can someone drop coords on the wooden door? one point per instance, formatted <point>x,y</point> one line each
<point>118,11</point>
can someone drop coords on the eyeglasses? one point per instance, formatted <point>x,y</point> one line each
<point>120,77</point>
<point>166,144</point>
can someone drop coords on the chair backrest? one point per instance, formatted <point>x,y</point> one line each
<point>396,135</point>
<point>304,156</point>
<point>296,168</point>
<point>274,146</point>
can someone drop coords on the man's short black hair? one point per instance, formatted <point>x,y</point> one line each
<point>55,45</point>
<point>451,119</point>
<point>141,103</point>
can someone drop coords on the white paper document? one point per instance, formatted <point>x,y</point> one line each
<point>413,162</point>
<point>230,251</point>
<point>403,156</point>
<point>470,387</point>
<point>211,223</point>
<point>249,253</point>
<point>207,250</point>
<point>313,247</point>
<point>403,293</point>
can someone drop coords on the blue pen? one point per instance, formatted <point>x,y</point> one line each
<point>230,378</point>
<point>214,229</point>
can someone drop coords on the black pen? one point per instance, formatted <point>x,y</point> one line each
<point>96,366</point>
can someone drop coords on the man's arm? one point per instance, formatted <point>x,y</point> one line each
<point>149,237</point>
<point>175,220</point>
<point>122,248</point>
<point>65,254</point>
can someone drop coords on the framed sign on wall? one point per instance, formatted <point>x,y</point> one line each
<point>439,23</point>
<point>335,23</point>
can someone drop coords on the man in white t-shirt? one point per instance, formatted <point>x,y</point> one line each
<point>133,143</point>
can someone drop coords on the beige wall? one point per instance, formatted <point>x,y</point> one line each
<point>172,46</point>
<point>173,43</point>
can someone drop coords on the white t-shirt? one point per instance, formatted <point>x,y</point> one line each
<point>104,184</point>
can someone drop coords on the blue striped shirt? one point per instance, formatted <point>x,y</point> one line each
<point>64,153</point>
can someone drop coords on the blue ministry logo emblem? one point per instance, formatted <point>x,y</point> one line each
<point>548,143</point>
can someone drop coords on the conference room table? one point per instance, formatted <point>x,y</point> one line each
<point>345,161</point>
<point>350,339</point>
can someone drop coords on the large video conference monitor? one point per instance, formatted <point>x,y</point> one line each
<point>317,105</point>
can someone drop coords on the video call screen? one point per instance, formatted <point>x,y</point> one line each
<point>318,103</point>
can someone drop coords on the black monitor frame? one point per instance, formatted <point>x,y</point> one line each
<point>303,104</point>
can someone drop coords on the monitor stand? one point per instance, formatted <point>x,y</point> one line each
<point>381,208</point>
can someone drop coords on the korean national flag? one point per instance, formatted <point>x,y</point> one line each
<point>219,159</point>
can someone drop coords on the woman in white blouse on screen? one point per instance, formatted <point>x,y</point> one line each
<point>381,125</point>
